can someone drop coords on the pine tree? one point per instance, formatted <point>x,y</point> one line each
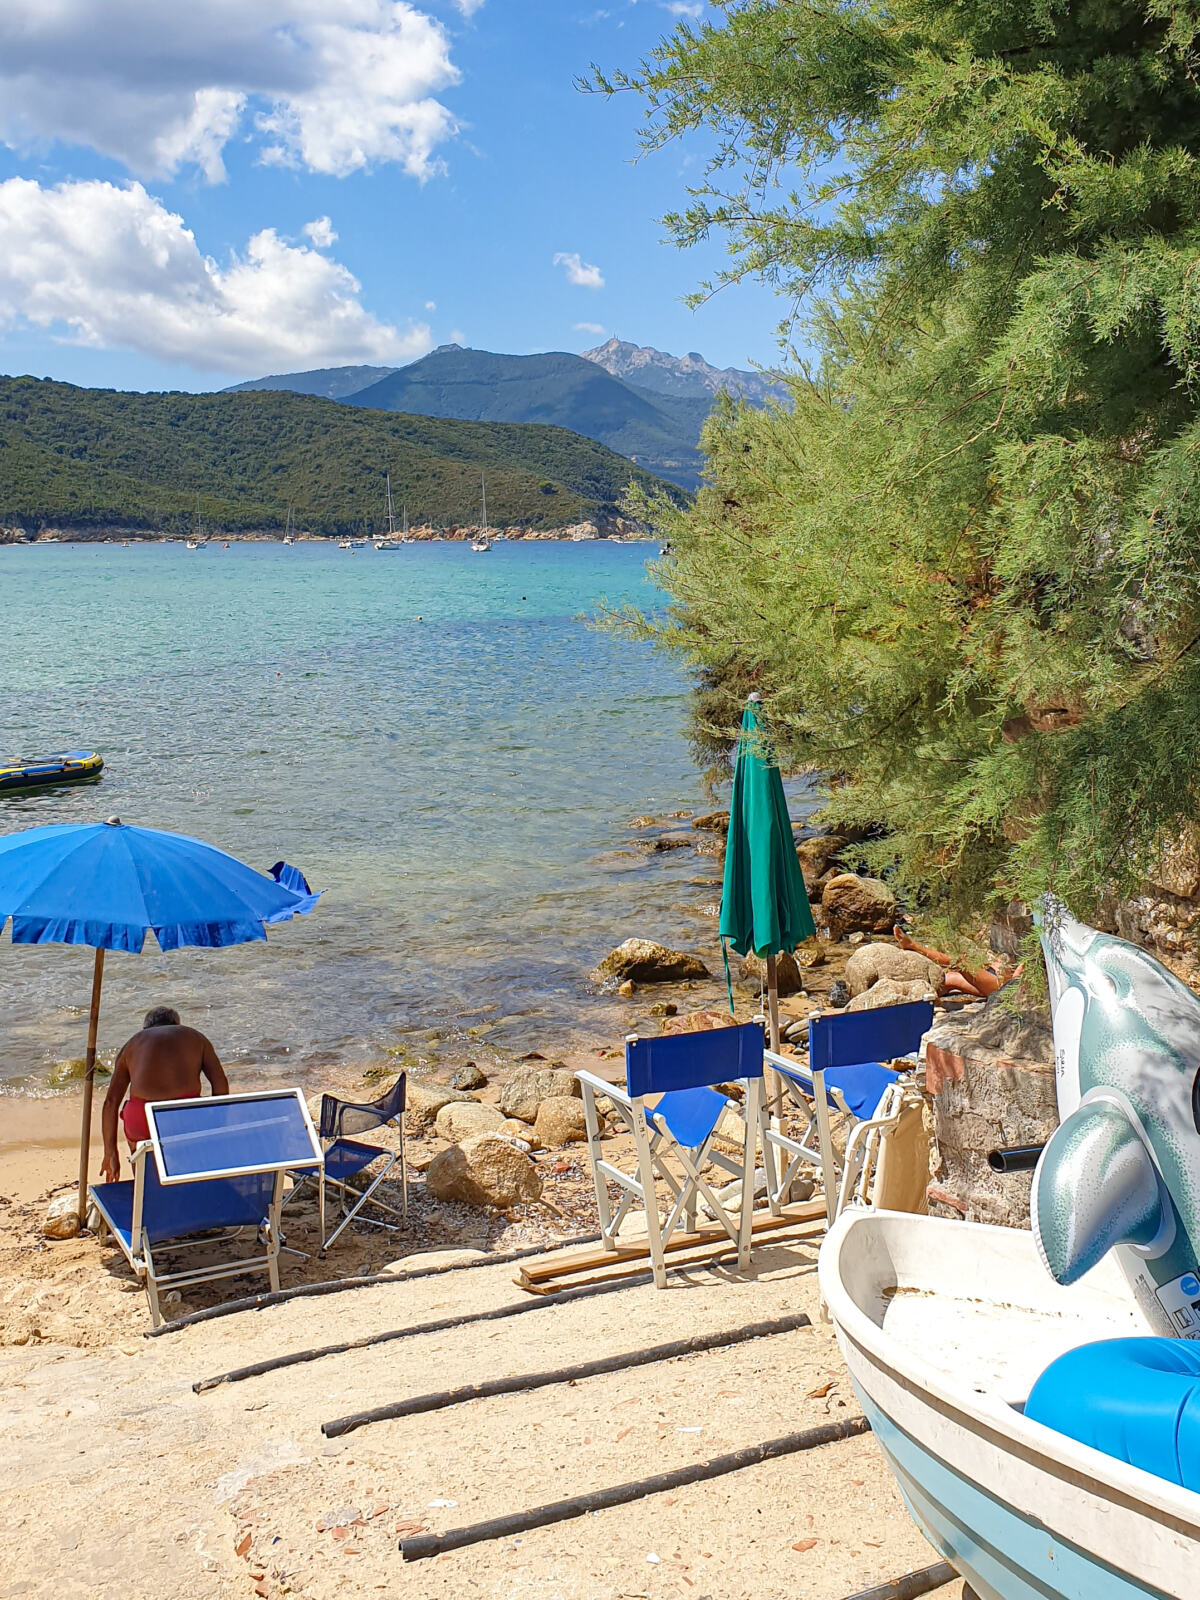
<point>964,563</point>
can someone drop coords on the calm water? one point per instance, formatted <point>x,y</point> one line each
<point>435,739</point>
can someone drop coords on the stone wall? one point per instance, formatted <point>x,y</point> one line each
<point>990,1074</point>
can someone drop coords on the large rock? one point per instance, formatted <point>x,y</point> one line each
<point>698,1022</point>
<point>712,822</point>
<point>871,962</point>
<point>487,1170</point>
<point>816,855</point>
<point>887,992</point>
<point>643,961</point>
<point>468,1077</point>
<point>424,1100</point>
<point>990,1072</point>
<point>560,1120</point>
<point>457,1121</point>
<point>529,1086</point>
<point>752,974</point>
<point>853,904</point>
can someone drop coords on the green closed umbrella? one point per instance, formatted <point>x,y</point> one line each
<point>764,904</point>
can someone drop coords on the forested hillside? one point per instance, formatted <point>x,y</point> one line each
<point>97,458</point>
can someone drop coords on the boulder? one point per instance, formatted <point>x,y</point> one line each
<point>424,1100</point>
<point>62,1218</point>
<point>560,1120</point>
<point>423,1260</point>
<point>752,974</point>
<point>529,1086</point>
<point>698,1022</point>
<point>457,1121</point>
<point>852,903</point>
<point>712,822</point>
<point>816,855</point>
<point>874,961</point>
<point>487,1170</point>
<point>643,961</point>
<point>468,1077</point>
<point>888,992</point>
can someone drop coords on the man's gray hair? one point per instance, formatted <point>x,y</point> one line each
<point>161,1017</point>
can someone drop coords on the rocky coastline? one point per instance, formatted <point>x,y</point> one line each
<point>614,527</point>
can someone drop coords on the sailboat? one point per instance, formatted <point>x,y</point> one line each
<point>198,540</point>
<point>481,545</point>
<point>391,542</point>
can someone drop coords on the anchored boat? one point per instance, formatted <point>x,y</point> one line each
<point>72,766</point>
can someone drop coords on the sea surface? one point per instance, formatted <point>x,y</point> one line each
<point>436,738</point>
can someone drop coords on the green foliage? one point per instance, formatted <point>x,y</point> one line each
<point>964,566</point>
<point>95,458</point>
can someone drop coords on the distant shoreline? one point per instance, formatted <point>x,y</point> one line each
<point>619,531</point>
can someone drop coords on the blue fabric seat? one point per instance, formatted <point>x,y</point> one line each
<point>689,1115</point>
<point>344,1158</point>
<point>182,1211</point>
<point>861,1087</point>
<point>1137,1400</point>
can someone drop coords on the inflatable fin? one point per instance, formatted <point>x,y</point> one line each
<point>1095,1187</point>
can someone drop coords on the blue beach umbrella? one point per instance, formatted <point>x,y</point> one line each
<point>107,886</point>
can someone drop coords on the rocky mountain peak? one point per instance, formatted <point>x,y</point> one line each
<point>653,369</point>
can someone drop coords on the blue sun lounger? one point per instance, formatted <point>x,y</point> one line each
<point>212,1166</point>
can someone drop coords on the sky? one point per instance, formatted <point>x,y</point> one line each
<point>193,192</point>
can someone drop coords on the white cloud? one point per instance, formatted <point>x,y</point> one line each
<point>684,8</point>
<point>431,305</point>
<point>321,232</point>
<point>112,268</point>
<point>333,85</point>
<point>589,327</point>
<point>468,7</point>
<point>579,272</point>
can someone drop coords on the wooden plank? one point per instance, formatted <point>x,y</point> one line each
<point>567,1261</point>
<point>701,1256</point>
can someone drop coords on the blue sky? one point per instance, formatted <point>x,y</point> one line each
<point>190,193</point>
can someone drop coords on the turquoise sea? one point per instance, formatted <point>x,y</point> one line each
<point>434,737</point>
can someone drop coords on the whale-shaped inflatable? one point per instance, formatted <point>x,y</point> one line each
<point>1122,1171</point>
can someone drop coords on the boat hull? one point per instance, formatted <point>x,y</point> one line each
<point>82,766</point>
<point>923,1311</point>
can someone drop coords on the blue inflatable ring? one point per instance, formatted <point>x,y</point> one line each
<point>1135,1399</point>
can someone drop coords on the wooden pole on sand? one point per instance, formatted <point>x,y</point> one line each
<point>773,1032</point>
<point>89,1078</point>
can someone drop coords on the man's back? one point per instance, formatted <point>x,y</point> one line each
<point>165,1063</point>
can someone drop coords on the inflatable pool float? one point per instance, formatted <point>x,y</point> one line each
<point>71,766</point>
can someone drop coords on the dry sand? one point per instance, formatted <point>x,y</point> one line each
<point>118,1480</point>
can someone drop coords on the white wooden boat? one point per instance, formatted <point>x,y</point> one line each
<point>945,1327</point>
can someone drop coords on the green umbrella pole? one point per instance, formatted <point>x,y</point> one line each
<point>89,1079</point>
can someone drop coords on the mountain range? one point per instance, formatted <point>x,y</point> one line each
<point>643,403</point>
<point>95,458</point>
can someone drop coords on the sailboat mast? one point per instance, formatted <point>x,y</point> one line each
<point>483,490</point>
<point>404,514</point>
<point>391,514</point>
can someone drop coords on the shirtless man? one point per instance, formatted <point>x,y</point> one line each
<point>165,1061</point>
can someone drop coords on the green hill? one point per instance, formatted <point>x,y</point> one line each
<point>97,458</point>
<point>657,431</point>
<point>334,383</point>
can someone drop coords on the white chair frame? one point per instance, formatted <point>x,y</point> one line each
<point>652,1144</point>
<point>852,1185</point>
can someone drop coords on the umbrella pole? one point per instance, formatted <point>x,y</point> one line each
<point>89,1078</point>
<point>773,1026</point>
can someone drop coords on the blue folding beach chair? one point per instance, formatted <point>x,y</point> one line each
<point>212,1169</point>
<point>682,1071</point>
<point>846,1073</point>
<point>346,1158</point>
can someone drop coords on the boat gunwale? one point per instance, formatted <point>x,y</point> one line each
<point>1005,1428</point>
